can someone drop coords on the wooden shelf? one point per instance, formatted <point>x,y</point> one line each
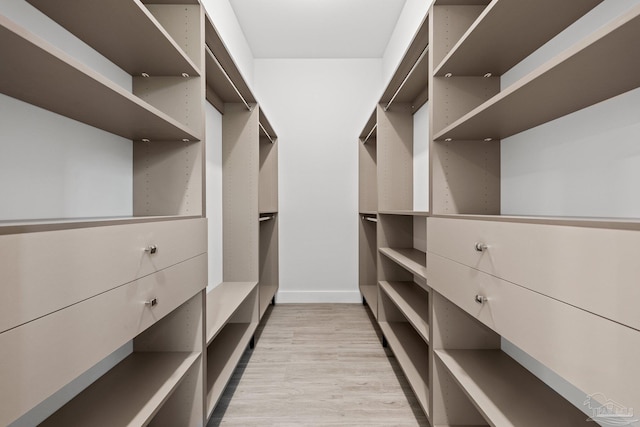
<point>370,294</point>
<point>34,226</point>
<point>222,303</point>
<point>413,355</point>
<point>405,212</point>
<point>413,301</point>
<point>217,48</point>
<point>612,223</point>
<point>411,259</point>
<point>414,90</point>
<point>34,71</point>
<point>368,213</point>
<point>505,393</point>
<point>507,32</point>
<point>129,394</point>
<point>223,355</point>
<point>370,127</point>
<point>124,31</point>
<point>595,69</point>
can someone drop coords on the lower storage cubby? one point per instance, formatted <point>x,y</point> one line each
<point>367,266</point>
<point>158,384</point>
<point>268,262</point>
<point>505,393</point>
<point>223,355</point>
<point>476,383</point>
<point>137,387</point>
<point>413,301</point>
<point>408,346</point>
<point>234,310</point>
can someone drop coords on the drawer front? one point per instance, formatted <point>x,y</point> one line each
<point>47,271</point>
<point>43,355</point>
<point>591,268</point>
<point>593,353</point>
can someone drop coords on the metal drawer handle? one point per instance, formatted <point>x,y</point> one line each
<point>152,249</point>
<point>481,247</point>
<point>152,302</point>
<point>481,299</point>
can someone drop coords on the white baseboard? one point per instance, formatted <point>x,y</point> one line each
<point>296,297</point>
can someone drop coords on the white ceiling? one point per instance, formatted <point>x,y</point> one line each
<point>317,28</point>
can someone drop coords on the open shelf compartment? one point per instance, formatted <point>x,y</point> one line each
<point>411,350</point>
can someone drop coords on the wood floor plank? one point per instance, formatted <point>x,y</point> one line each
<point>318,365</point>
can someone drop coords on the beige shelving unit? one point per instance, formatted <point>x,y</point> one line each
<point>486,285</point>
<point>250,219</point>
<point>392,270</point>
<point>95,284</point>
<point>367,212</point>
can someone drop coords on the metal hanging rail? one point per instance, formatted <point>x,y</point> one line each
<point>424,52</point>
<point>266,218</point>
<point>246,104</point>
<point>370,133</point>
<point>266,133</point>
<point>370,218</point>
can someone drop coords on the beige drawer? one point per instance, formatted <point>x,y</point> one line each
<point>592,268</point>
<point>46,271</point>
<point>593,353</point>
<point>38,358</point>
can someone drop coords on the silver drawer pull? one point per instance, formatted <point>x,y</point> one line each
<point>152,249</point>
<point>481,247</point>
<point>481,299</point>
<point>152,302</point>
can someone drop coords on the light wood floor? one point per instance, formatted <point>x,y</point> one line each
<point>318,365</point>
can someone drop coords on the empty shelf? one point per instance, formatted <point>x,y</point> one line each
<point>507,32</point>
<point>129,394</point>
<point>413,302</point>
<point>222,302</point>
<point>506,393</point>
<point>413,356</point>
<point>223,355</point>
<point>124,31</point>
<point>595,69</point>
<point>34,71</point>
<point>405,212</point>
<point>411,259</point>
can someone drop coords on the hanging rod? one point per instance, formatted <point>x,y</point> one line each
<point>370,133</point>
<point>424,52</point>
<point>369,218</point>
<point>266,133</point>
<point>266,218</point>
<point>246,104</point>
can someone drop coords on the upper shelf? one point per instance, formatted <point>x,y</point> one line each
<point>507,32</point>
<point>124,31</point>
<point>409,82</point>
<point>599,67</point>
<point>266,129</point>
<point>222,72</point>
<point>34,71</point>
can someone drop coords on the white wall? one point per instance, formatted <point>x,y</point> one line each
<point>585,164</point>
<point>52,166</point>
<point>225,21</point>
<point>318,107</point>
<point>214,194</point>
